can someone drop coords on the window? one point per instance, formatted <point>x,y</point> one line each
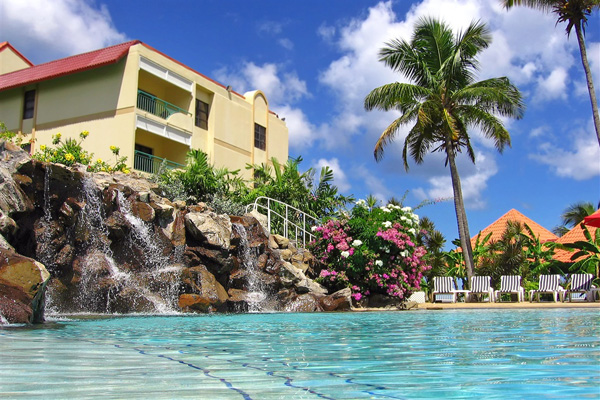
<point>29,104</point>
<point>260,137</point>
<point>201,114</point>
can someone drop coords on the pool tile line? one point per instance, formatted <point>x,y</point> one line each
<point>206,372</point>
<point>297,368</point>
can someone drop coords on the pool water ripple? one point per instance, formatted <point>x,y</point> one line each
<point>401,355</point>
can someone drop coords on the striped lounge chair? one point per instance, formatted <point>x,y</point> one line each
<point>548,284</point>
<point>444,289</point>
<point>581,285</point>
<point>481,285</point>
<point>510,284</point>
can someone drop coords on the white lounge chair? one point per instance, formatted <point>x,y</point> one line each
<point>444,289</point>
<point>580,284</point>
<point>510,284</point>
<point>481,285</point>
<point>548,284</point>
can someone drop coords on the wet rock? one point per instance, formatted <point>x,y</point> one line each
<point>210,228</point>
<point>27,276</point>
<point>304,303</point>
<point>208,294</point>
<point>338,301</point>
<point>282,242</point>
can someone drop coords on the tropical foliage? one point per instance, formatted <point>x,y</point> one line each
<point>443,100</point>
<point>575,14</point>
<point>573,216</point>
<point>70,152</point>
<point>586,256</point>
<point>371,251</point>
<point>226,191</point>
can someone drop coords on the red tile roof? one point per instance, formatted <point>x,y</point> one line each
<point>574,235</point>
<point>498,227</point>
<point>6,45</point>
<point>65,66</point>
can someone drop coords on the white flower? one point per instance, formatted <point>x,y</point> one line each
<point>379,263</point>
<point>406,209</point>
<point>345,254</point>
<point>403,218</point>
<point>387,224</point>
<point>313,228</point>
<point>361,203</point>
<point>404,253</point>
<point>356,243</point>
<point>412,231</point>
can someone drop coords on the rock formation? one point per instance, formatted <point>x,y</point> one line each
<point>112,244</point>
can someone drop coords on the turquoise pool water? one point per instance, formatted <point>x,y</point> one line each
<point>395,355</point>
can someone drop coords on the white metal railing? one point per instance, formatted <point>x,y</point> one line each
<point>285,220</point>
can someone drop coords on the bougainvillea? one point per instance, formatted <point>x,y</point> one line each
<point>371,251</point>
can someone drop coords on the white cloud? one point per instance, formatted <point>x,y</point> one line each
<point>376,186</point>
<point>286,43</point>
<point>45,30</point>
<point>554,85</point>
<point>580,161</point>
<point>474,179</point>
<point>339,176</point>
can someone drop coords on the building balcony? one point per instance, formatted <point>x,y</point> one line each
<point>148,163</point>
<point>158,107</point>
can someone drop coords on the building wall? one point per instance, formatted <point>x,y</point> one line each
<point>103,101</point>
<point>10,61</point>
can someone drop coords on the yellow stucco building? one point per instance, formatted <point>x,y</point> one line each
<point>136,98</point>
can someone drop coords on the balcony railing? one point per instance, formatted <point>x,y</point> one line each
<point>158,107</point>
<point>148,163</point>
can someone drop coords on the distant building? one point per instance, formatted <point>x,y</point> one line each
<point>136,98</point>
<point>498,227</point>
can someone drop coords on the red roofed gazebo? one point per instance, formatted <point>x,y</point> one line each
<point>498,227</point>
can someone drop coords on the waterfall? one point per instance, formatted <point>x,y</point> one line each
<point>157,263</point>
<point>103,285</point>
<point>257,298</point>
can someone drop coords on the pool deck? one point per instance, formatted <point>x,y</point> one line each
<point>507,305</point>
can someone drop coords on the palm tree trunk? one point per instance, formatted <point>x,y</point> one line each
<point>461,215</point>
<point>588,78</point>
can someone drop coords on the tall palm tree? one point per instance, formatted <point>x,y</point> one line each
<point>573,216</point>
<point>575,13</point>
<point>443,101</point>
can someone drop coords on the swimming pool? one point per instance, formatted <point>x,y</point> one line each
<point>392,355</point>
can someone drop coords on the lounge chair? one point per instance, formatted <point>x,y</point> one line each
<point>444,289</point>
<point>548,284</point>
<point>580,284</point>
<point>510,284</point>
<point>481,285</point>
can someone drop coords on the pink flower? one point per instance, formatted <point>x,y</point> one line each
<point>357,296</point>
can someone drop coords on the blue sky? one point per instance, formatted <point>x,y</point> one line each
<point>316,60</point>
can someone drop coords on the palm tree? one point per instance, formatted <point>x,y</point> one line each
<point>443,101</point>
<point>575,13</point>
<point>573,216</point>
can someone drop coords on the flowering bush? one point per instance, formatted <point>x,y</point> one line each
<point>371,251</point>
<point>70,152</point>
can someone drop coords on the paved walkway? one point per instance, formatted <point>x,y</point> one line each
<point>543,304</point>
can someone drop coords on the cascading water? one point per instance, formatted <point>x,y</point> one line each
<point>158,265</point>
<point>142,289</point>
<point>258,299</point>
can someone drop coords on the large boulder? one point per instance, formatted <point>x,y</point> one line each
<point>22,286</point>
<point>210,228</point>
<point>207,294</point>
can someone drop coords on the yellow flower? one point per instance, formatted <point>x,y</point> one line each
<point>84,134</point>
<point>125,171</point>
<point>113,148</point>
<point>43,147</point>
<point>58,135</point>
<point>69,157</point>
<point>99,161</point>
